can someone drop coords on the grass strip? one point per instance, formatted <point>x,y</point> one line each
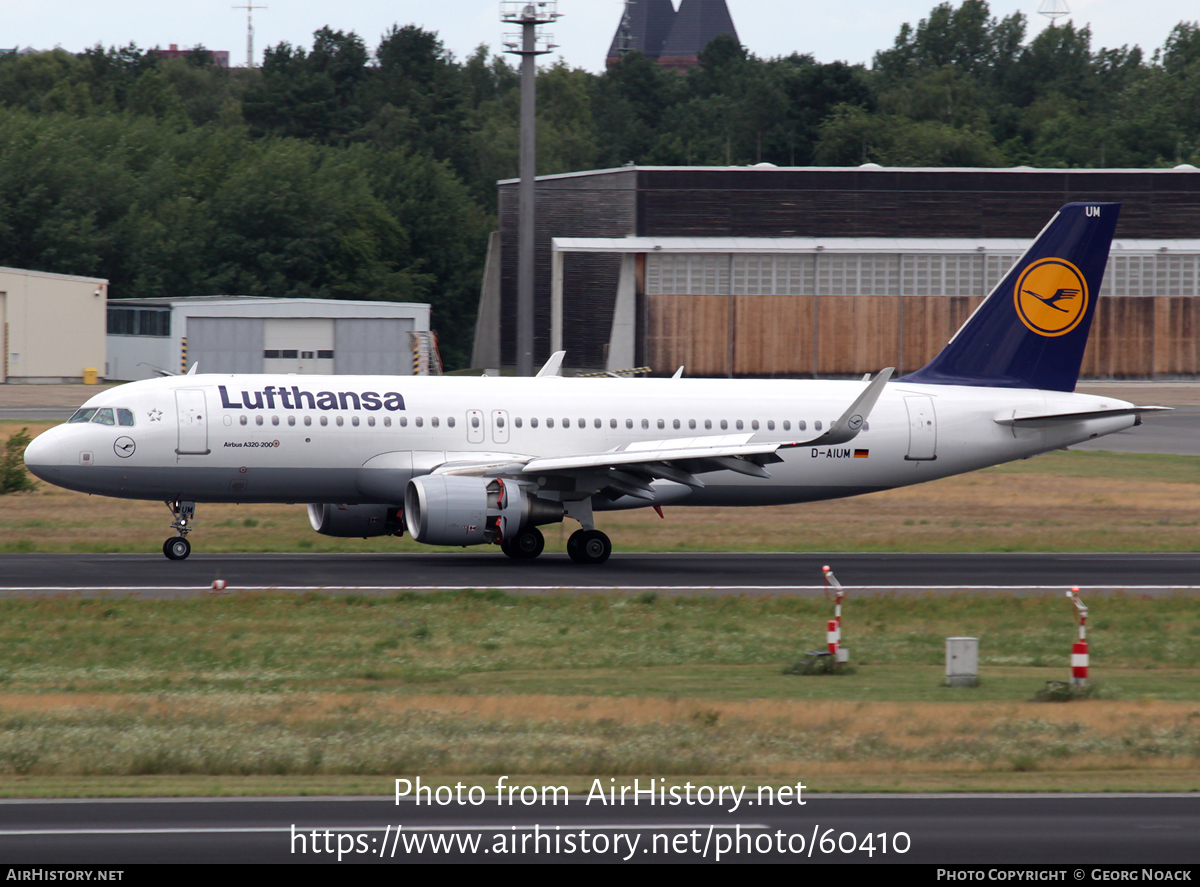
<point>320,693</point>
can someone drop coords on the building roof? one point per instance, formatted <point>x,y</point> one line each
<point>260,306</point>
<point>53,276</point>
<point>649,24</point>
<point>696,23</point>
<point>792,245</point>
<point>870,168</point>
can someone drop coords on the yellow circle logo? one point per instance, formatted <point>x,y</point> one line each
<point>1051,297</point>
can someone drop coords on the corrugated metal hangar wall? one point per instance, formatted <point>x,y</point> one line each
<point>250,334</point>
<point>843,307</point>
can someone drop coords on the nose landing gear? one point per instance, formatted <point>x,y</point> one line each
<point>177,547</point>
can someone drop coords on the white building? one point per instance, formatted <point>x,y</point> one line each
<point>254,334</point>
<point>52,326</point>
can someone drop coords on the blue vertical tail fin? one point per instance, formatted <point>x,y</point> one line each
<point>1031,330</point>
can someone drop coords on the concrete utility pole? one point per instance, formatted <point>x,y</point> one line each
<point>528,45</point>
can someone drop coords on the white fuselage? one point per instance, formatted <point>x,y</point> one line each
<point>358,439</point>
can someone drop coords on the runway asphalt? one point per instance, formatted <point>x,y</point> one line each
<point>153,575</point>
<point>1072,831</point>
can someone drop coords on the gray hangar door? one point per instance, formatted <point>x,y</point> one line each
<point>225,344</point>
<point>374,346</point>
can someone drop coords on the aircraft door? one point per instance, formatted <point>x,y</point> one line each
<point>474,426</point>
<point>922,429</point>
<point>193,422</point>
<point>500,426</point>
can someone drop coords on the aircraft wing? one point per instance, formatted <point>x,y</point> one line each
<point>678,460</point>
<point>630,468</point>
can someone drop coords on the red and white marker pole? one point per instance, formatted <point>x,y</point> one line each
<point>835,593</point>
<point>1079,650</point>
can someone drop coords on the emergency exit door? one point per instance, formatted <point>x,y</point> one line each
<point>193,422</point>
<point>922,428</point>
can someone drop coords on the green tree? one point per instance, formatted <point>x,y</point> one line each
<point>423,95</point>
<point>1181,52</point>
<point>13,477</point>
<point>852,136</point>
<point>448,235</point>
<point>311,95</point>
<point>629,103</point>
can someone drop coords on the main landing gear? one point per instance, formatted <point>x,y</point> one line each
<point>586,545</point>
<point>177,547</point>
<point>527,544</point>
<point>589,547</point>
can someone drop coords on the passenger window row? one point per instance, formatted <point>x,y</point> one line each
<point>677,424</point>
<point>340,421</point>
<point>435,422</point>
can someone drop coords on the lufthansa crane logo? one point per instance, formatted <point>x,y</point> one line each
<point>1051,297</point>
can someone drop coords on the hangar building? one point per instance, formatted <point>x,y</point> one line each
<point>255,334</point>
<point>52,326</point>
<point>764,271</point>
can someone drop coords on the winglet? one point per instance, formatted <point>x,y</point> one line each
<point>192,370</point>
<point>678,374</point>
<point>851,422</point>
<point>553,366</point>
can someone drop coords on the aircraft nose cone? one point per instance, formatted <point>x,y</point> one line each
<point>43,453</point>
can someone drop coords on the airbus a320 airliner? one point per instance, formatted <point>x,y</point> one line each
<point>471,461</point>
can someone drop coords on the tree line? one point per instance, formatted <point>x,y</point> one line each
<point>339,171</point>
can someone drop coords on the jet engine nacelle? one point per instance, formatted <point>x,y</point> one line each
<point>447,509</point>
<point>355,520</point>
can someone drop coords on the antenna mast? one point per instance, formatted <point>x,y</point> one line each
<point>249,7</point>
<point>1054,9</point>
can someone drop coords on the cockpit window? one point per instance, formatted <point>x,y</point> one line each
<point>104,417</point>
<point>124,417</point>
<point>82,415</point>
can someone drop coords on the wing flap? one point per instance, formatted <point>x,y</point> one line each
<point>646,456</point>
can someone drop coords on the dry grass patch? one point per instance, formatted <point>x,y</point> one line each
<point>578,736</point>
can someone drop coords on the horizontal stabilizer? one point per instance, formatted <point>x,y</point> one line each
<point>1023,419</point>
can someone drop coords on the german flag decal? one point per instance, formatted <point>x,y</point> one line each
<point>861,454</point>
